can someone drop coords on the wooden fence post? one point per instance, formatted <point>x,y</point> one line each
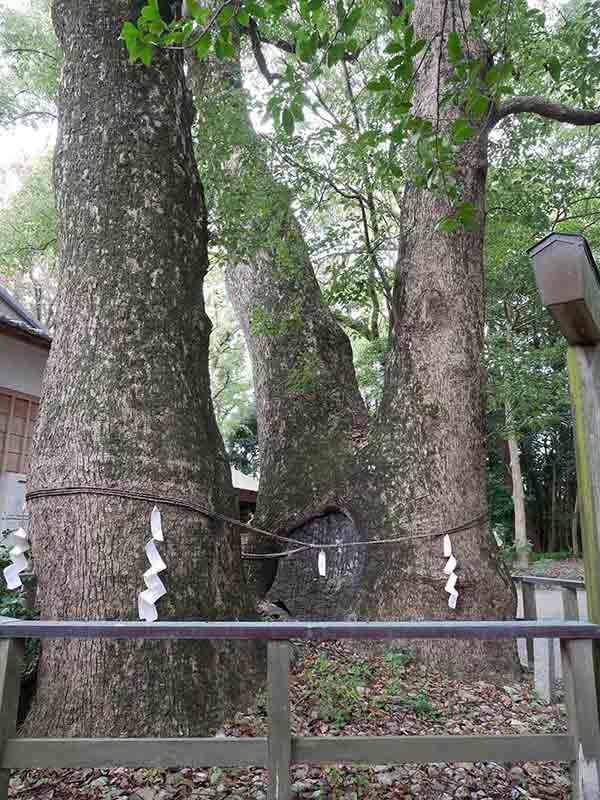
<point>529,612</point>
<point>11,651</point>
<point>582,702</point>
<point>280,735</point>
<point>570,604</point>
<point>569,285</point>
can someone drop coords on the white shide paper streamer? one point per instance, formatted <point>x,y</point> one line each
<point>155,588</point>
<point>449,570</point>
<point>19,546</point>
<point>322,564</point>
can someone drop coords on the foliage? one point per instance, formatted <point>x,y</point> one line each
<point>242,445</point>
<point>13,603</point>
<point>28,220</point>
<point>30,66</point>
<point>522,50</point>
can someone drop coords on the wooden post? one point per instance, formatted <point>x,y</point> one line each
<point>544,669</point>
<point>11,651</point>
<point>529,612</point>
<point>280,735</point>
<point>582,702</point>
<point>570,604</point>
<point>569,284</point>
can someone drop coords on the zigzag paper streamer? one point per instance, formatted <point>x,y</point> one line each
<point>155,588</point>
<point>449,570</point>
<point>20,545</point>
<point>322,564</point>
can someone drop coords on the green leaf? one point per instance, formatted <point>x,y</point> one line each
<point>554,68</point>
<point>455,51</point>
<point>225,15</point>
<point>223,47</point>
<point>465,214</point>
<point>479,106</point>
<point>335,54</point>
<point>243,17</point>
<point>492,76</point>
<point>150,12</point>
<point>461,131</point>
<point>129,32</point>
<point>383,84</point>
<point>287,120</point>
<point>340,11</point>
<point>447,224</point>
<point>477,6</point>
<point>306,46</point>
<point>351,21</point>
<point>146,54</point>
<point>203,46</point>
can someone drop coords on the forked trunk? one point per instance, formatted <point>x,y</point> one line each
<point>127,404</point>
<point>312,420</point>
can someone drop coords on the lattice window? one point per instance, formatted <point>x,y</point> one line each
<point>17,419</point>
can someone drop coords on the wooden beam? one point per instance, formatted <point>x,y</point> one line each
<point>430,749</point>
<point>556,583</point>
<point>112,753</point>
<point>569,285</point>
<point>7,435</point>
<point>166,753</point>
<point>279,740</point>
<point>529,612</point>
<point>21,464</point>
<point>311,631</point>
<point>582,707</point>
<point>570,603</point>
<point>11,653</point>
<point>584,379</point>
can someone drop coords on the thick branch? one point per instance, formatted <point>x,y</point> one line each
<point>259,56</point>
<point>546,108</point>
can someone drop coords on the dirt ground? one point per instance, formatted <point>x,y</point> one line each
<point>337,690</point>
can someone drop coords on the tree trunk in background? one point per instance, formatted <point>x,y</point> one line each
<point>311,417</point>
<point>518,494</point>
<point>127,404</point>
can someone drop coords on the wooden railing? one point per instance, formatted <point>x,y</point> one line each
<point>540,652</point>
<point>280,749</point>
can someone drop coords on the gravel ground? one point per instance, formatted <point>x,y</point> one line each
<point>337,690</point>
<point>553,568</point>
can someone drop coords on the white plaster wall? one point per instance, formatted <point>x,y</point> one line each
<point>21,366</point>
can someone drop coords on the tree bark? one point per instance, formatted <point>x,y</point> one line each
<point>518,494</point>
<point>420,468</point>
<point>575,528</point>
<point>308,403</point>
<point>126,404</point>
<point>431,425</point>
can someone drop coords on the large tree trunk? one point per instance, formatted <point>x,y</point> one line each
<point>312,420</point>
<point>127,405</point>
<point>432,422</point>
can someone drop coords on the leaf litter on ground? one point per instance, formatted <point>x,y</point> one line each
<point>338,689</point>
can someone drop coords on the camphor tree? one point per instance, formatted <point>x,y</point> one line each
<point>450,78</point>
<point>127,375</point>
